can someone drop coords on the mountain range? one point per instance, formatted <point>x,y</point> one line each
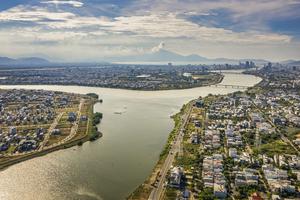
<point>167,56</point>
<point>161,56</point>
<point>23,61</point>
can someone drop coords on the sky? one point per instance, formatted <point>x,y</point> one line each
<point>94,30</point>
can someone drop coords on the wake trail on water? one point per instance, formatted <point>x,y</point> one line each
<point>81,191</point>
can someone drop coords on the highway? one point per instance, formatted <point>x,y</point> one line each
<point>157,192</point>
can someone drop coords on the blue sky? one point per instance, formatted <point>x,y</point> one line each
<point>92,30</point>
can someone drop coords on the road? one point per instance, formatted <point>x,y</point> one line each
<point>51,128</point>
<point>74,128</point>
<point>156,192</point>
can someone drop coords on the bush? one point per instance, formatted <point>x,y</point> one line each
<point>97,118</point>
<point>93,95</point>
<point>207,194</point>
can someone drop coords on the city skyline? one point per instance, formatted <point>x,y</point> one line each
<point>90,30</point>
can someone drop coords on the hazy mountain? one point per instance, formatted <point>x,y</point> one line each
<point>32,60</point>
<point>161,56</point>
<point>291,62</point>
<point>23,61</point>
<point>158,56</point>
<point>167,56</point>
<point>5,60</point>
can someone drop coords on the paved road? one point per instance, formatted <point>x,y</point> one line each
<point>51,128</point>
<point>74,128</point>
<point>156,192</point>
<point>75,124</point>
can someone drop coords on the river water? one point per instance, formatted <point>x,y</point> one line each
<point>136,125</point>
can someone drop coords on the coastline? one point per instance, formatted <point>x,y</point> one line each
<point>79,139</point>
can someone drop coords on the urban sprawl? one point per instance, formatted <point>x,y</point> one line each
<point>243,145</point>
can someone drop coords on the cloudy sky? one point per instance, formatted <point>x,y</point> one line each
<point>92,30</point>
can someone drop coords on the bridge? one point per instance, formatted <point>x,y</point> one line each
<point>230,86</point>
<point>224,72</point>
<point>229,71</point>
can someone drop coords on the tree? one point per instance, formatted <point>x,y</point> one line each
<point>207,194</point>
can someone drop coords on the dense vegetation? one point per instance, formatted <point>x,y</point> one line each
<point>207,194</point>
<point>94,95</point>
<point>276,147</point>
<point>95,121</point>
<point>97,118</point>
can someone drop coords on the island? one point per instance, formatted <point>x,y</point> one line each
<point>36,122</point>
<point>243,145</point>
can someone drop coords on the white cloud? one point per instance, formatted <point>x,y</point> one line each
<point>61,2</point>
<point>159,47</point>
<point>33,14</point>
<point>150,23</point>
<point>170,26</point>
<point>238,7</point>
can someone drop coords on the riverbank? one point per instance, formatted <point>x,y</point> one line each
<point>90,134</point>
<point>144,190</point>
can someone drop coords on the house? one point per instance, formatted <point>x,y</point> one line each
<point>27,145</point>
<point>12,130</point>
<point>256,118</point>
<point>83,118</point>
<point>220,191</point>
<point>175,177</point>
<point>275,197</point>
<point>195,138</point>
<point>232,153</point>
<point>246,177</point>
<point>255,196</point>
<point>265,127</point>
<point>199,103</point>
<point>197,124</point>
<point>4,146</point>
<point>186,194</point>
<point>72,116</point>
<point>56,132</point>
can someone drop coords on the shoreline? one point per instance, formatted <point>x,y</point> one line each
<point>73,142</point>
<point>143,190</point>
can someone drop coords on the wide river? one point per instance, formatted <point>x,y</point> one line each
<point>113,166</point>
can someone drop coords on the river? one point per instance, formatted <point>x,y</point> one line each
<point>113,166</point>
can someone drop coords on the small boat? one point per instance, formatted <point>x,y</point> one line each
<point>118,113</point>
